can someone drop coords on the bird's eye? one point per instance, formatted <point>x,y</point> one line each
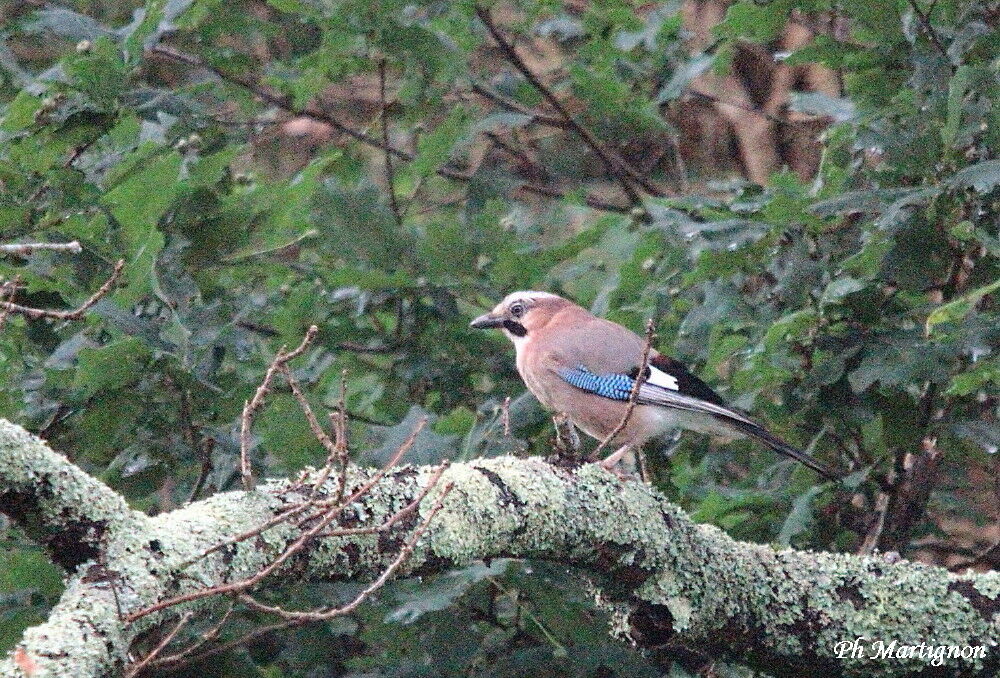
<point>517,309</point>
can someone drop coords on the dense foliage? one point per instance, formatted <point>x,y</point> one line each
<point>232,154</point>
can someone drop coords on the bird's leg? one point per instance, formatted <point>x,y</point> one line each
<point>567,442</point>
<point>612,459</point>
<point>640,459</point>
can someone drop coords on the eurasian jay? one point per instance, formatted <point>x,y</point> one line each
<point>586,367</point>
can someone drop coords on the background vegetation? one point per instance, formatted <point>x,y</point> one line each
<point>802,193</point>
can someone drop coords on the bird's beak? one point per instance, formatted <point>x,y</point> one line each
<point>486,321</point>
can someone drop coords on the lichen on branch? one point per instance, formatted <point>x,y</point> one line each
<point>670,581</point>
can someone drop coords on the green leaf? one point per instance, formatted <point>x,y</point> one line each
<point>109,367</point>
<point>840,288</point>
<point>101,73</point>
<point>956,94</point>
<point>982,177</point>
<point>958,308</point>
<point>683,76</point>
<point>976,377</point>
<point>20,112</point>
<point>137,204</point>
<point>800,517</point>
<point>418,597</point>
<point>210,169</point>
<point>434,148</point>
<point>755,22</point>
<point>838,109</point>
<point>789,327</point>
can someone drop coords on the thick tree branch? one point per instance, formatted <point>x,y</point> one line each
<point>670,582</point>
<point>59,505</point>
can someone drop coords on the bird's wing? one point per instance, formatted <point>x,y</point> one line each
<point>661,387</point>
<point>666,389</point>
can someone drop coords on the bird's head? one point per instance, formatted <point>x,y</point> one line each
<point>521,313</point>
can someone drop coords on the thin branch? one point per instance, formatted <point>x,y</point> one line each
<point>285,103</point>
<point>321,615</point>
<point>207,637</point>
<point>925,22</point>
<point>314,425</point>
<point>251,406</point>
<point>187,660</point>
<point>615,165</point>
<point>679,164</point>
<point>138,667</point>
<point>8,291</point>
<point>743,107</point>
<point>375,478</point>
<point>633,397</point>
<point>269,96</point>
<point>201,446</point>
<point>325,518</point>
<point>24,249</point>
<point>515,107</point>
<point>390,177</point>
<point>596,203</point>
<point>395,517</point>
<point>336,449</point>
<point>205,451</point>
<point>76,314</point>
<point>516,153</point>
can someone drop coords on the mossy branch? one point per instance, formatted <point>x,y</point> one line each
<point>669,581</point>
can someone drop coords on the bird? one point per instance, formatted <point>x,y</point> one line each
<point>586,367</point>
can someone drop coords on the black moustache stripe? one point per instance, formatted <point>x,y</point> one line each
<point>515,328</point>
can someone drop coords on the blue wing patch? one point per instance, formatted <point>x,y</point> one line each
<point>613,386</point>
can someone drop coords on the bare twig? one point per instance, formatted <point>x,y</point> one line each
<point>251,406</point>
<point>284,516</point>
<point>331,511</point>
<point>679,164</point>
<point>24,249</point>
<point>395,517</point>
<point>201,446</point>
<point>314,425</point>
<point>205,450</point>
<point>925,23</point>
<point>141,665</point>
<point>207,637</point>
<point>321,615</point>
<point>623,173</point>
<point>338,419</point>
<point>633,398</point>
<point>727,102</point>
<point>515,107</point>
<point>390,177</point>
<point>297,618</point>
<point>505,416</point>
<point>590,201</point>
<point>516,153</point>
<point>567,441</point>
<point>8,291</point>
<point>376,477</point>
<point>190,658</point>
<point>76,314</point>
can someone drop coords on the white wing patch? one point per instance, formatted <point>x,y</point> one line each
<point>662,379</point>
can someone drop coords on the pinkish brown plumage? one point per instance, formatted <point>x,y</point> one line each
<point>584,367</point>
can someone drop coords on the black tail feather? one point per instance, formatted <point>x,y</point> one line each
<point>781,447</point>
